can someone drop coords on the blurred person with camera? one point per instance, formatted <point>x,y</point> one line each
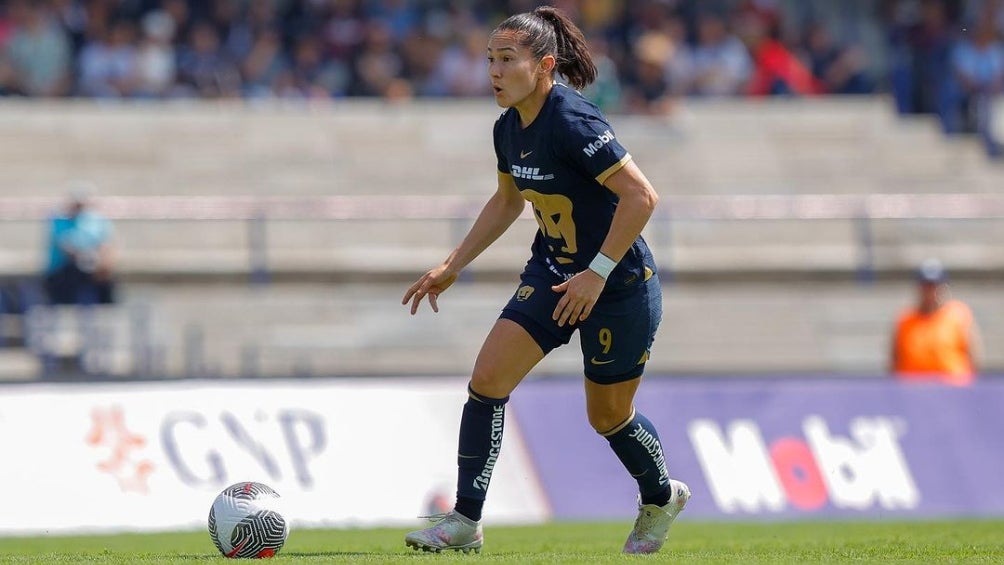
<point>80,261</point>
<point>936,339</point>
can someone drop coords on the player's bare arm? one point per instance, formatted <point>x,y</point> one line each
<point>637,202</point>
<point>498,214</point>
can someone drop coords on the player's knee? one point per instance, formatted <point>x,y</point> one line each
<point>486,383</point>
<point>606,418</point>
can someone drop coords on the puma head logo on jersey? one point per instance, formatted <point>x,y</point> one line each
<point>524,292</point>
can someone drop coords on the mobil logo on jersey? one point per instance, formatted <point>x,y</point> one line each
<point>816,466</point>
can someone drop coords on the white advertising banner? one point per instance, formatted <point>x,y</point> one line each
<point>153,456</point>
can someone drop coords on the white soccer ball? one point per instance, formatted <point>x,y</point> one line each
<point>246,521</point>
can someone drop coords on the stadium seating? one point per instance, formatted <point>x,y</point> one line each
<point>368,149</point>
<point>186,261</point>
<point>311,329</point>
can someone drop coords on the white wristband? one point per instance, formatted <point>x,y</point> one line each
<point>602,265</point>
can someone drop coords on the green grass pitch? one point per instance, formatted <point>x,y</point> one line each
<point>964,541</point>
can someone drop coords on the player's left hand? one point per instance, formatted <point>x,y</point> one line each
<point>580,294</point>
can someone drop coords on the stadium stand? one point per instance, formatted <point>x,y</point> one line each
<point>252,237</point>
<point>268,162</point>
<point>192,188</point>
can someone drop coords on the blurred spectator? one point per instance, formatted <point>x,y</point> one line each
<point>720,63</point>
<point>605,91</point>
<point>108,65</point>
<point>921,44</point>
<point>72,16</point>
<point>776,70</point>
<point>651,52</point>
<point>80,266</point>
<point>649,90</point>
<point>422,55</point>
<point>937,339</point>
<point>156,67</point>
<point>379,65</point>
<point>234,27</point>
<point>978,69</point>
<point>265,70</point>
<point>180,14</point>
<point>596,15</point>
<point>36,60</point>
<point>204,70</point>
<point>398,18</point>
<point>680,64</point>
<point>6,27</point>
<point>840,69</point>
<point>461,68</point>
<point>311,75</point>
<point>345,30</point>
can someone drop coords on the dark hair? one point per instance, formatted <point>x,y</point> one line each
<point>548,31</point>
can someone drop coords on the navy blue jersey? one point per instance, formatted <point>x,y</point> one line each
<point>559,163</point>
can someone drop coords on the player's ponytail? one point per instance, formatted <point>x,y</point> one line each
<point>574,61</point>
<point>548,31</point>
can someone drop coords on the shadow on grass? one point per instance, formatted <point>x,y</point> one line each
<point>331,553</point>
<point>305,554</point>
<point>380,555</point>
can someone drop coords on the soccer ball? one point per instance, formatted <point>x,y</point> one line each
<point>245,521</point>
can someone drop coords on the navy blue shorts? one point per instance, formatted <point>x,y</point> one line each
<point>616,338</point>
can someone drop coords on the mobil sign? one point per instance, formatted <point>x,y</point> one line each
<point>786,449</point>
<point>806,470</point>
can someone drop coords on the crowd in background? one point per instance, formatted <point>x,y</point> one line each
<point>934,56</point>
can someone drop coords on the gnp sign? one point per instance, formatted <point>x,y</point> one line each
<point>152,456</point>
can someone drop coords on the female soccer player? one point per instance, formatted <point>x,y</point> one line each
<point>590,270</point>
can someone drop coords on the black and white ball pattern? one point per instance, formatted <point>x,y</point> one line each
<point>245,521</point>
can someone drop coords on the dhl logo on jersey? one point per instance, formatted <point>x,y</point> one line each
<point>530,173</point>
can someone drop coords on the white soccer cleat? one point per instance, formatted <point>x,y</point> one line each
<point>651,528</point>
<point>452,530</point>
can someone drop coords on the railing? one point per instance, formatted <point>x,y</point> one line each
<point>389,207</point>
<point>96,358</point>
<point>862,209</point>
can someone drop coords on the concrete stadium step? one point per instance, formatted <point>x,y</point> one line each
<point>820,145</point>
<point>350,249</point>
<point>366,147</point>
<point>302,330</point>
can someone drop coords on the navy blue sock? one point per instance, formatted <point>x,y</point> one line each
<point>480,442</point>
<point>637,445</point>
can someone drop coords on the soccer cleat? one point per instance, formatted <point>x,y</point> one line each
<point>452,530</point>
<point>651,528</point>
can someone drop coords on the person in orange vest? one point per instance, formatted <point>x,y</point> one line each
<point>936,339</point>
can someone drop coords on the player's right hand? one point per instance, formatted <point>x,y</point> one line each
<point>431,284</point>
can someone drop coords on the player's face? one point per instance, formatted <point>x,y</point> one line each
<point>513,70</point>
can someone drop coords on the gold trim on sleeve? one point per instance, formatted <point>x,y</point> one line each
<point>602,177</point>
